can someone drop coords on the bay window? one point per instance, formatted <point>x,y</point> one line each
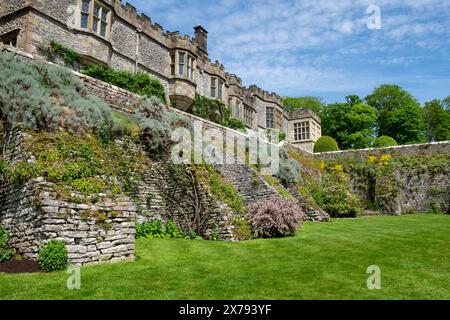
<point>95,18</point>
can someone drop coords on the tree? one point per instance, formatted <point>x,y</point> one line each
<point>352,125</point>
<point>307,102</point>
<point>437,120</point>
<point>446,102</point>
<point>399,114</point>
<point>353,100</point>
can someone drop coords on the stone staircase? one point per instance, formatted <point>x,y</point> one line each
<point>252,188</point>
<point>248,183</point>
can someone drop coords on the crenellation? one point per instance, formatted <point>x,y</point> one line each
<point>134,42</point>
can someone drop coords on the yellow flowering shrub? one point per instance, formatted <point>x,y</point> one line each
<point>338,169</point>
<point>372,159</point>
<point>385,159</point>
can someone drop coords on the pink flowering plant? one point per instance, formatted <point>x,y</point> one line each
<point>275,218</point>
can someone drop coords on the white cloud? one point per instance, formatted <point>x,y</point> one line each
<point>313,45</point>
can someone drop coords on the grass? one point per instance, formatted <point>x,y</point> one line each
<point>324,261</point>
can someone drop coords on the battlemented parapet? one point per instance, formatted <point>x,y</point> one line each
<point>115,34</point>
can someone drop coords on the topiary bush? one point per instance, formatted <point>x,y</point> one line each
<point>6,253</point>
<point>277,218</point>
<point>326,144</point>
<point>384,142</point>
<point>53,256</point>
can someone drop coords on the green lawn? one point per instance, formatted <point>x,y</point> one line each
<point>325,261</point>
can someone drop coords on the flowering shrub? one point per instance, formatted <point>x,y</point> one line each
<point>336,196</point>
<point>277,218</point>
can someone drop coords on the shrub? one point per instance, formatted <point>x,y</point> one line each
<point>157,230</point>
<point>6,253</point>
<point>156,123</point>
<point>215,111</point>
<point>289,171</point>
<point>384,142</point>
<point>140,83</point>
<point>335,196</point>
<point>53,256</point>
<point>220,188</point>
<point>326,144</point>
<point>70,57</point>
<point>242,229</point>
<point>45,97</point>
<point>3,170</point>
<point>276,218</point>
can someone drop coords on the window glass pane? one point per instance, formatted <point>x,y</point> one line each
<point>95,25</point>
<point>220,89</point>
<point>85,6</point>
<point>105,15</point>
<point>180,69</point>
<point>84,20</point>
<point>181,57</point>
<point>103,30</point>
<point>96,11</point>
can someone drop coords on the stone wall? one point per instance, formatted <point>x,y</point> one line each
<point>97,229</point>
<point>405,190</point>
<point>407,150</point>
<point>167,193</point>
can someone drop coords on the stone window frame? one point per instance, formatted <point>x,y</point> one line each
<point>220,84</point>
<point>216,89</point>
<point>96,23</point>
<point>213,87</point>
<point>238,108</point>
<point>278,119</point>
<point>302,131</point>
<point>270,112</point>
<point>10,38</point>
<point>248,116</point>
<point>183,68</point>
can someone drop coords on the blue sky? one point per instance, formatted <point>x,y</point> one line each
<point>321,47</point>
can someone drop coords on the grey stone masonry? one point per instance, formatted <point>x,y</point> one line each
<point>248,183</point>
<point>406,150</point>
<point>252,188</point>
<point>94,231</point>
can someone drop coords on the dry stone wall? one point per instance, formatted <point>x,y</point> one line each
<point>95,231</point>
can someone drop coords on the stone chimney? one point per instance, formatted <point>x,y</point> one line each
<point>201,38</point>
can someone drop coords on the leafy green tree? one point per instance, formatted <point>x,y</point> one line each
<point>353,100</point>
<point>399,113</point>
<point>437,120</point>
<point>307,102</point>
<point>352,124</point>
<point>446,102</point>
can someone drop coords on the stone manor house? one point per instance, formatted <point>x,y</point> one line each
<point>113,34</point>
